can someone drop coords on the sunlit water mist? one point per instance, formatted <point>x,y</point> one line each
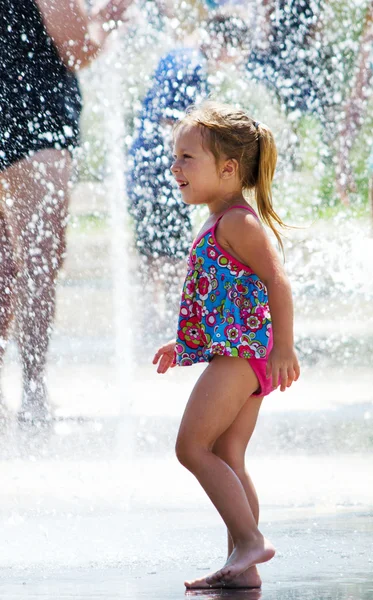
<point>330,267</point>
<point>121,242</point>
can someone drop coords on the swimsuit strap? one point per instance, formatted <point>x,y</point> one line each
<point>214,226</point>
<point>251,210</point>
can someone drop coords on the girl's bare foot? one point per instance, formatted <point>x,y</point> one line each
<point>249,579</point>
<point>242,558</point>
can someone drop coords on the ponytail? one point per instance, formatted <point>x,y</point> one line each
<point>263,186</point>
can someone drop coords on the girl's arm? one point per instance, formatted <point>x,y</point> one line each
<point>246,239</point>
<point>79,37</point>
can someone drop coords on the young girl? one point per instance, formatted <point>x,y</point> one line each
<point>236,314</point>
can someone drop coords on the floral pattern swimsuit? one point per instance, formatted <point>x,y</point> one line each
<point>224,309</point>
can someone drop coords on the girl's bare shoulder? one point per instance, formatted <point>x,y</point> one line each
<point>239,222</point>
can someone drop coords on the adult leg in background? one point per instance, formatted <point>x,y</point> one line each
<point>8,276</point>
<point>36,192</point>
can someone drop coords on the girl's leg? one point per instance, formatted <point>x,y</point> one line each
<point>231,447</point>
<point>37,194</point>
<point>215,402</point>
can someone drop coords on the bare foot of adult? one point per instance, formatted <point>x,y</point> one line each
<point>242,558</point>
<point>248,580</point>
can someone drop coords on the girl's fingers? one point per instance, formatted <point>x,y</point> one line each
<point>156,357</point>
<point>290,376</point>
<point>283,378</point>
<point>296,371</point>
<point>275,376</point>
<point>282,374</point>
<point>164,364</point>
<point>161,351</point>
<point>161,366</point>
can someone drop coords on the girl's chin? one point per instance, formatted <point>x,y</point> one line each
<point>189,199</point>
<point>186,198</point>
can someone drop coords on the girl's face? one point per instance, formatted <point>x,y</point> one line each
<point>194,167</point>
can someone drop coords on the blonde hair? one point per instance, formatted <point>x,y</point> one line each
<point>230,132</point>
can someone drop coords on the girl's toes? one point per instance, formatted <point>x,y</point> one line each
<point>226,576</point>
<point>214,578</point>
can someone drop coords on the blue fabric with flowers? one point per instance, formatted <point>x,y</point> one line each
<point>224,306</point>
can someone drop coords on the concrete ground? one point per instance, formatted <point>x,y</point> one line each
<point>142,554</point>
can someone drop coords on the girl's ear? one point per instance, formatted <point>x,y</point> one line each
<point>229,168</point>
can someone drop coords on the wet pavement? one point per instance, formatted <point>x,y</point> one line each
<point>318,558</point>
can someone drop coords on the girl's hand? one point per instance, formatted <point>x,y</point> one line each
<point>166,354</point>
<point>283,367</point>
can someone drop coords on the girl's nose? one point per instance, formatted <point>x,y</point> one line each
<point>175,167</point>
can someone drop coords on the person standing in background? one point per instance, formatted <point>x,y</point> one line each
<point>42,46</point>
<point>163,228</point>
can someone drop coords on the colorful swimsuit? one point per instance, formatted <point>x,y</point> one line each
<point>224,309</point>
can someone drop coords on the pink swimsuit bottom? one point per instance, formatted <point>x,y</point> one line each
<point>259,366</point>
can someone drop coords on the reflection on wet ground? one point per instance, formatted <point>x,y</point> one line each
<point>301,592</point>
<point>121,589</point>
<point>147,554</point>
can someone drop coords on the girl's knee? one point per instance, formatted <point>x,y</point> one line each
<point>182,451</point>
<point>188,452</point>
